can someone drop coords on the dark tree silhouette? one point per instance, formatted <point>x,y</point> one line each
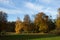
<point>3,21</point>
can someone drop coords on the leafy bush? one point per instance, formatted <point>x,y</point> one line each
<point>3,33</point>
<point>55,32</point>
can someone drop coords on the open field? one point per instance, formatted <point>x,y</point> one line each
<point>31,37</point>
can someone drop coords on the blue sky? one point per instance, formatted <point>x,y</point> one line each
<point>18,8</point>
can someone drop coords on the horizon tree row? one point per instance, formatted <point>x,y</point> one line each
<point>41,23</point>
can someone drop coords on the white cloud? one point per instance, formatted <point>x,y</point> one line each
<point>47,1</point>
<point>44,1</point>
<point>8,3</point>
<point>29,5</point>
<point>33,6</point>
<point>15,11</point>
<point>4,1</point>
<point>11,11</point>
<point>51,12</point>
<point>40,8</point>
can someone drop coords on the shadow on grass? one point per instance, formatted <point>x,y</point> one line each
<point>26,37</point>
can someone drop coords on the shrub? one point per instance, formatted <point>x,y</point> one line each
<point>3,33</point>
<point>55,32</point>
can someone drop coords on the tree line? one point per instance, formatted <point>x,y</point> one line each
<point>41,23</point>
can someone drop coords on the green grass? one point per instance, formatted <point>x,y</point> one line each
<point>50,38</point>
<point>30,37</point>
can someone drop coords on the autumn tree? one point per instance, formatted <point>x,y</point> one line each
<point>26,23</point>
<point>18,26</point>
<point>40,21</point>
<point>58,20</point>
<point>3,21</point>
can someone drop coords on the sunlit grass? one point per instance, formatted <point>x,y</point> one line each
<point>50,38</point>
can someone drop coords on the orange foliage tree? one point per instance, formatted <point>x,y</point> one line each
<point>58,20</point>
<point>40,21</point>
<point>18,26</point>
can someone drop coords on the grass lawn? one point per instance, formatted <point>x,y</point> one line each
<point>30,37</point>
<point>50,38</point>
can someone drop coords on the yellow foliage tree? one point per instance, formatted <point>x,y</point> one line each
<point>18,26</point>
<point>58,23</point>
<point>58,20</point>
<point>41,21</point>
